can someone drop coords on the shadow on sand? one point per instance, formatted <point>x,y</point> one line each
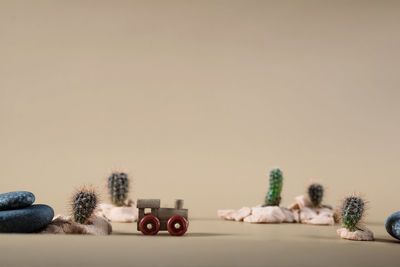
<point>388,241</point>
<point>335,237</point>
<point>167,234</point>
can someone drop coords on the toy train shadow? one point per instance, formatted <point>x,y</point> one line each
<point>191,234</point>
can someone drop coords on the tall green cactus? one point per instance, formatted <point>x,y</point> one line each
<point>84,202</point>
<point>273,197</point>
<point>118,187</point>
<point>352,212</point>
<point>316,193</point>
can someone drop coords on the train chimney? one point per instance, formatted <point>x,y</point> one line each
<point>178,204</point>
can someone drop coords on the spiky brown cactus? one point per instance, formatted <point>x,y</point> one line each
<point>84,202</point>
<point>316,193</point>
<point>118,187</point>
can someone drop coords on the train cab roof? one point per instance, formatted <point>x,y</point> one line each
<point>148,203</point>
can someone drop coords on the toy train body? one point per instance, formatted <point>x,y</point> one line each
<point>152,218</point>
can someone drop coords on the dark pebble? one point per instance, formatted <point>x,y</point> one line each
<point>393,225</point>
<point>26,220</point>
<point>16,200</point>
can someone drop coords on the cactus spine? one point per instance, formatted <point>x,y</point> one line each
<point>84,202</point>
<point>352,212</point>
<point>118,187</point>
<point>275,187</point>
<point>316,193</point>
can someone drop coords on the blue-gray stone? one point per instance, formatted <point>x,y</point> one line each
<point>393,225</point>
<point>26,220</point>
<point>16,200</point>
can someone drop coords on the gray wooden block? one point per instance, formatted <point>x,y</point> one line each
<point>148,203</point>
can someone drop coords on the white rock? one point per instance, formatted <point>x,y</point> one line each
<point>294,206</point>
<point>290,217</point>
<point>270,214</point>
<point>117,214</point>
<point>326,212</point>
<point>99,226</point>
<point>234,215</point>
<point>364,235</point>
<point>321,220</point>
<point>296,215</point>
<point>323,216</point>
<point>307,214</point>
<point>225,214</point>
<point>66,225</point>
<point>303,201</point>
<point>310,215</point>
<point>241,214</point>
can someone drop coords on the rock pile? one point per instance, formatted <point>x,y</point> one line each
<point>18,215</point>
<point>302,211</point>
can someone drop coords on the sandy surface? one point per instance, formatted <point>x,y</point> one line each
<point>207,243</point>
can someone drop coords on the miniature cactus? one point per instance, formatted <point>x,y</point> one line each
<point>84,202</point>
<point>352,212</point>
<point>316,193</point>
<point>118,187</point>
<point>275,187</point>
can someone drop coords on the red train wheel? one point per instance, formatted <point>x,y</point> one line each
<point>149,225</point>
<point>177,225</point>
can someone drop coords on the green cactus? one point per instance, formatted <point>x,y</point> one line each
<point>273,197</point>
<point>84,202</point>
<point>316,193</point>
<point>352,212</point>
<point>118,187</point>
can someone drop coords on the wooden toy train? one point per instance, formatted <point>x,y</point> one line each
<point>152,218</point>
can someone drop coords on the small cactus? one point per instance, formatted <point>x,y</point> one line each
<point>84,202</point>
<point>118,187</point>
<point>316,193</point>
<point>275,187</point>
<point>352,212</point>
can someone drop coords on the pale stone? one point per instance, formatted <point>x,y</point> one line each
<point>66,225</point>
<point>310,215</point>
<point>360,235</point>
<point>307,214</point>
<point>259,214</point>
<point>303,201</point>
<point>321,220</point>
<point>294,206</point>
<point>290,217</point>
<point>270,214</point>
<point>296,215</point>
<point>234,215</point>
<point>322,216</point>
<point>117,214</point>
<point>326,216</point>
<point>241,214</point>
<point>225,214</point>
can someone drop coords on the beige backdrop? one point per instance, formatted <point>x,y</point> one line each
<point>199,99</point>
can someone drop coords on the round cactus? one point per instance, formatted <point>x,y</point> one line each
<point>352,212</point>
<point>316,193</point>
<point>118,187</point>
<point>84,202</point>
<point>275,187</point>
